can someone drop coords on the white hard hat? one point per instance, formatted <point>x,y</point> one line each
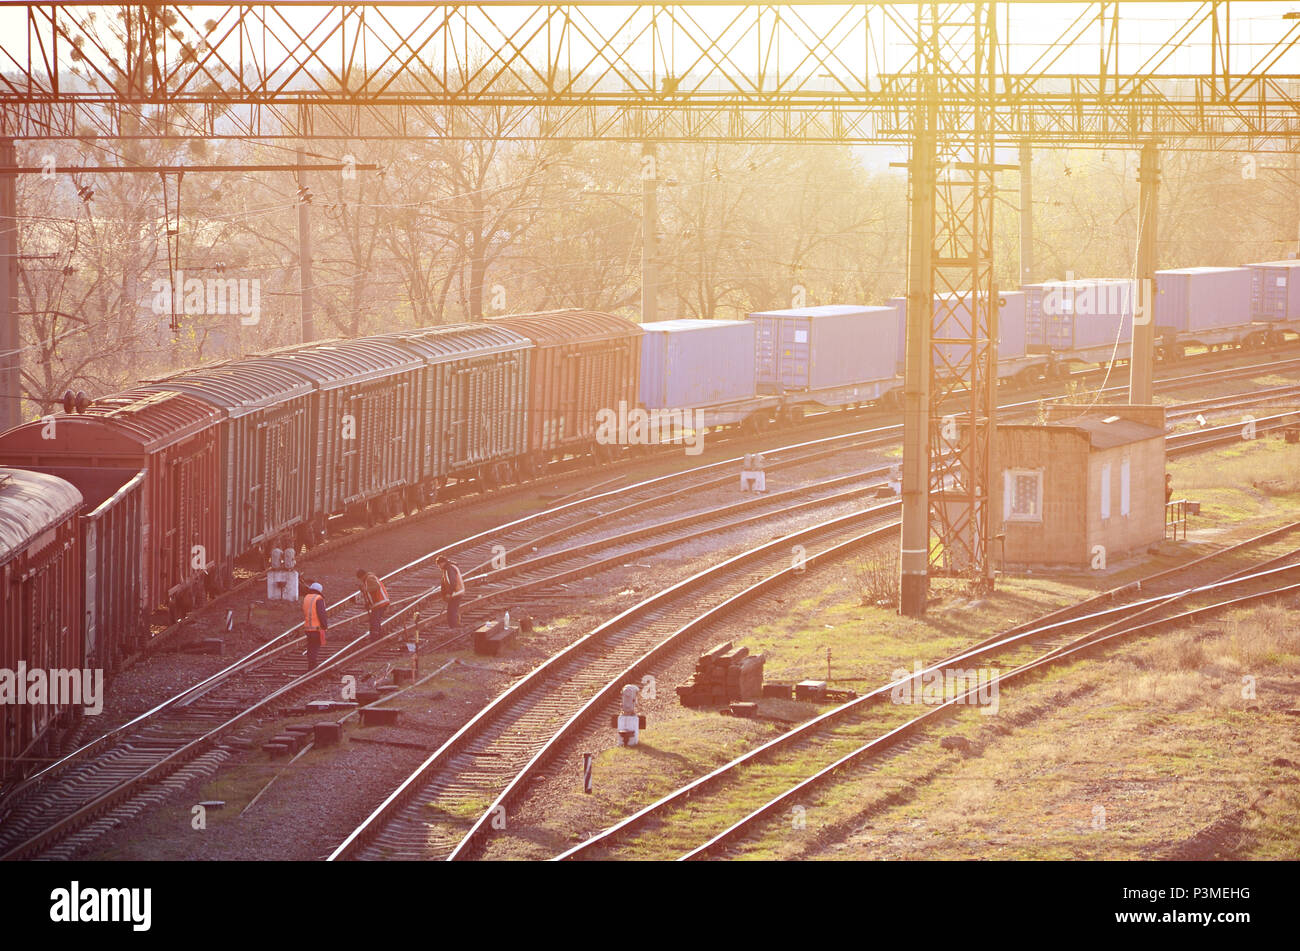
<point>316,586</point>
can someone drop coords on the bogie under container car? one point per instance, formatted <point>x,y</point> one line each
<point>472,422</point>
<point>40,604</point>
<point>583,362</point>
<point>173,438</point>
<point>829,355</point>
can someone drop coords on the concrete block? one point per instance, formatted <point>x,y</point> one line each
<point>379,716</point>
<point>327,734</point>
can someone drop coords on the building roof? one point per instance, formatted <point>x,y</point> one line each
<point>1120,432</point>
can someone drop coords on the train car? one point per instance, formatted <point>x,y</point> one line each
<point>829,355</point>
<point>40,605</point>
<point>267,415</point>
<point>584,362</point>
<point>706,368</point>
<point>360,458</point>
<point>173,439</point>
<point>1088,320</point>
<point>1203,306</point>
<point>1017,361</point>
<point>1275,297</point>
<point>473,398</point>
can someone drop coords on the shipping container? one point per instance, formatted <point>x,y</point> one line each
<point>174,439</point>
<point>833,354</point>
<point>1275,291</point>
<point>1035,318</point>
<point>265,432</point>
<point>584,362</point>
<point>359,452</point>
<point>696,363</point>
<point>473,401</point>
<point>1011,319</point>
<point>1089,315</point>
<point>40,601</point>
<point>1195,299</point>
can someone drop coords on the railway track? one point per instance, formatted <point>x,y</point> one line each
<point>401,827</point>
<point>736,798</point>
<point>81,789</point>
<point>154,744</point>
<point>481,768</point>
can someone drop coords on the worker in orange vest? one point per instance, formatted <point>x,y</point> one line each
<point>375,597</point>
<point>453,589</point>
<point>316,623</point>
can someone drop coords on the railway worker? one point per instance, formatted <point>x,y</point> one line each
<point>1169,487</point>
<point>453,589</point>
<point>316,622</point>
<point>375,597</point>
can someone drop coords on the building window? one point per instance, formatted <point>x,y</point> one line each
<point>1123,488</point>
<point>1023,495</point>
<point>1105,491</point>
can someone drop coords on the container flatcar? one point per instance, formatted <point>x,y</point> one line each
<point>1016,361</point>
<point>705,366</point>
<point>1089,320</point>
<point>830,355</point>
<point>40,604</point>
<point>1275,294</point>
<point>473,398</point>
<point>1203,306</point>
<point>583,362</point>
<point>174,439</point>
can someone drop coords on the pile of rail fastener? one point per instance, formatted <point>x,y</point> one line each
<point>725,675</point>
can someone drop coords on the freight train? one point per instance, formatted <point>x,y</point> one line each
<point>149,498</point>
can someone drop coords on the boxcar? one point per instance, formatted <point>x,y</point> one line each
<point>360,456</point>
<point>173,439</point>
<point>40,600</point>
<point>472,403</point>
<point>265,431</point>
<point>583,362</point>
<point>831,355</point>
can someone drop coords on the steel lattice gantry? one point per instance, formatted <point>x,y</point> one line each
<point>950,81</point>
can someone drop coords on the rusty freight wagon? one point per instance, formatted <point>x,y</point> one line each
<point>360,456</point>
<point>471,422</point>
<point>583,362</point>
<point>265,431</point>
<point>173,439</point>
<point>40,604</point>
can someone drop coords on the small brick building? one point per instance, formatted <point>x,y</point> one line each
<point>1077,482</point>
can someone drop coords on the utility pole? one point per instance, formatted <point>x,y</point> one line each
<point>10,388</point>
<point>914,553</point>
<point>649,234</point>
<point>304,251</point>
<point>1026,212</point>
<point>1142,357</point>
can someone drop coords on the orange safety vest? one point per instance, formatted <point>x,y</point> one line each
<point>311,613</point>
<point>383,592</point>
